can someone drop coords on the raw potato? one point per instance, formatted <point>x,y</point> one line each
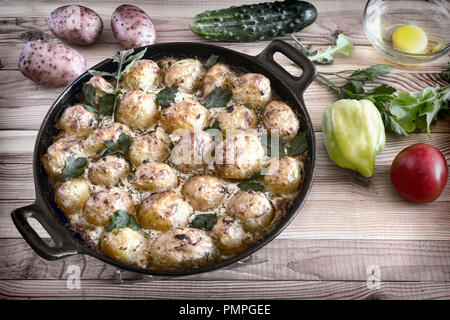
<point>239,156</point>
<point>71,195</point>
<point>279,119</point>
<point>143,75</point>
<point>252,208</point>
<point>125,245</point>
<point>54,160</point>
<point>132,27</point>
<point>230,235</point>
<point>283,175</point>
<point>163,211</point>
<point>75,24</point>
<point>204,192</point>
<point>96,140</point>
<point>235,119</point>
<point>186,74</point>
<point>219,75</point>
<point>252,89</point>
<point>104,203</point>
<point>183,248</point>
<point>108,170</point>
<point>77,121</point>
<point>193,152</point>
<point>51,64</point>
<point>185,115</point>
<point>151,146</point>
<point>155,177</point>
<point>137,110</point>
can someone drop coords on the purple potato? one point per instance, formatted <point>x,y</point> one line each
<point>132,27</point>
<point>51,64</point>
<point>75,24</point>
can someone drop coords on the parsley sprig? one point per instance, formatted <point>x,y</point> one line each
<point>218,98</point>
<point>122,219</point>
<point>74,167</point>
<point>166,96</point>
<point>204,221</point>
<point>122,146</point>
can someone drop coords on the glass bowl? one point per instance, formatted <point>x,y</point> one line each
<point>382,17</point>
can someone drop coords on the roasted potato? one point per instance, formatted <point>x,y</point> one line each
<point>279,119</point>
<point>183,248</point>
<point>125,245</point>
<point>229,234</point>
<point>163,211</point>
<point>239,156</point>
<point>155,177</point>
<point>283,175</point>
<point>151,146</point>
<point>105,202</point>
<point>96,140</point>
<point>185,115</point>
<point>252,89</point>
<point>108,170</point>
<point>77,121</point>
<point>252,208</point>
<point>193,152</point>
<point>54,160</point>
<point>144,75</point>
<point>219,75</point>
<point>186,74</point>
<point>204,192</point>
<point>236,119</point>
<point>102,87</point>
<point>137,110</point>
<point>71,195</point>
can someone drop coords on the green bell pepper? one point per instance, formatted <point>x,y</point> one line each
<point>353,134</point>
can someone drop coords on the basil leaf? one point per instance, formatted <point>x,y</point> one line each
<point>73,168</point>
<point>89,95</point>
<point>166,96</point>
<point>106,104</point>
<point>298,145</point>
<point>122,219</point>
<point>218,98</point>
<point>204,221</point>
<point>212,60</point>
<point>249,185</point>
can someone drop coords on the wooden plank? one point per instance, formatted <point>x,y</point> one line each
<point>324,260</point>
<point>229,290</point>
<point>21,110</point>
<point>330,219</point>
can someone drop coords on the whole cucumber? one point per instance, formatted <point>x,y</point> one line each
<point>254,22</point>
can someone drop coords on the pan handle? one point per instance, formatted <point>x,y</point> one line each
<point>64,246</point>
<point>297,83</point>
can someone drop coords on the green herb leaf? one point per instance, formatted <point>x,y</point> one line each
<point>269,142</point>
<point>90,108</point>
<point>218,98</point>
<point>249,185</point>
<point>298,145</point>
<point>166,96</point>
<point>130,59</point>
<point>123,144</point>
<point>122,219</point>
<point>101,73</point>
<point>212,60</point>
<point>73,168</point>
<point>204,221</point>
<point>106,104</point>
<point>89,97</point>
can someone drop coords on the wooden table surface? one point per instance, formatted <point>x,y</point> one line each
<point>349,233</point>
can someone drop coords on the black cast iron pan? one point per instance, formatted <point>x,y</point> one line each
<point>66,242</point>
